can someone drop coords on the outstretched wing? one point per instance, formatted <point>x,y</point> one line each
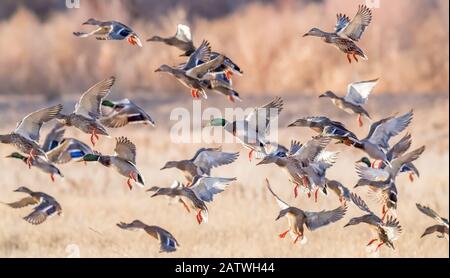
<point>30,126</point>
<point>397,164</point>
<point>90,102</point>
<point>24,202</point>
<point>359,202</point>
<point>358,92</point>
<point>281,203</point>
<point>201,54</point>
<point>342,20</point>
<point>392,228</point>
<point>355,28</point>
<point>431,213</point>
<point>372,174</point>
<point>125,149</point>
<point>210,158</point>
<point>385,129</point>
<point>45,209</point>
<point>315,220</point>
<point>206,187</point>
<point>259,119</point>
<point>311,149</point>
<point>53,137</point>
<point>400,147</point>
<point>183,33</point>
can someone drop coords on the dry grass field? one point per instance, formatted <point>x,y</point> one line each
<point>241,220</point>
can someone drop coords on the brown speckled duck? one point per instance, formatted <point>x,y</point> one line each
<point>347,32</point>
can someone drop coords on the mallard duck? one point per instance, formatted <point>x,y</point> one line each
<point>40,163</point>
<point>222,85</point>
<point>387,231</point>
<point>203,161</point>
<point>110,30</point>
<point>87,111</point>
<point>124,161</point>
<point>383,180</point>
<point>398,149</point>
<point>325,127</point>
<point>26,135</point>
<point>251,132</point>
<point>298,218</point>
<point>376,143</point>
<point>305,164</point>
<point>357,95</point>
<point>60,149</point>
<point>181,40</point>
<point>347,32</point>
<point>195,196</point>
<point>46,205</point>
<point>167,241</point>
<point>122,112</point>
<point>339,189</point>
<point>196,69</point>
<point>441,227</point>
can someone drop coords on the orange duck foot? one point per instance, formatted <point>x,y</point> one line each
<point>349,59</point>
<point>411,176</point>
<point>360,121</point>
<point>283,234</point>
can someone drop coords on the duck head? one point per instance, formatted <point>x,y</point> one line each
<point>91,21</point>
<point>282,213</point>
<point>315,32</point>
<point>170,164</point>
<point>271,158</point>
<point>17,156</point>
<point>353,221</point>
<point>164,68</point>
<point>328,94</point>
<point>364,160</point>
<point>23,189</point>
<point>217,122</point>
<point>90,157</point>
<point>133,39</point>
<point>155,39</point>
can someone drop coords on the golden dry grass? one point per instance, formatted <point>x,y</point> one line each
<point>241,222</point>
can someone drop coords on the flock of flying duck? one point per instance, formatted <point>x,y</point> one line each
<point>305,164</point>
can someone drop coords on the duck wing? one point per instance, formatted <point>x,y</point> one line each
<point>125,149</point>
<point>281,203</point>
<point>53,138</point>
<point>30,126</point>
<point>383,130</point>
<point>210,158</point>
<point>431,213</point>
<point>90,102</point>
<point>206,187</point>
<point>358,92</point>
<point>201,54</point>
<point>354,29</point>
<point>315,220</point>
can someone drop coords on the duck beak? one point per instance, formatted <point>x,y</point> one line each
<point>346,225</point>
<point>305,35</point>
<point>157,70</point>
<point>358,161</point>
<point>163,168</point>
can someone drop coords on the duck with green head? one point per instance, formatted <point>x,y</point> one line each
<point>251,132</point>
<point>40,163</point>
<point>124,161</point>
